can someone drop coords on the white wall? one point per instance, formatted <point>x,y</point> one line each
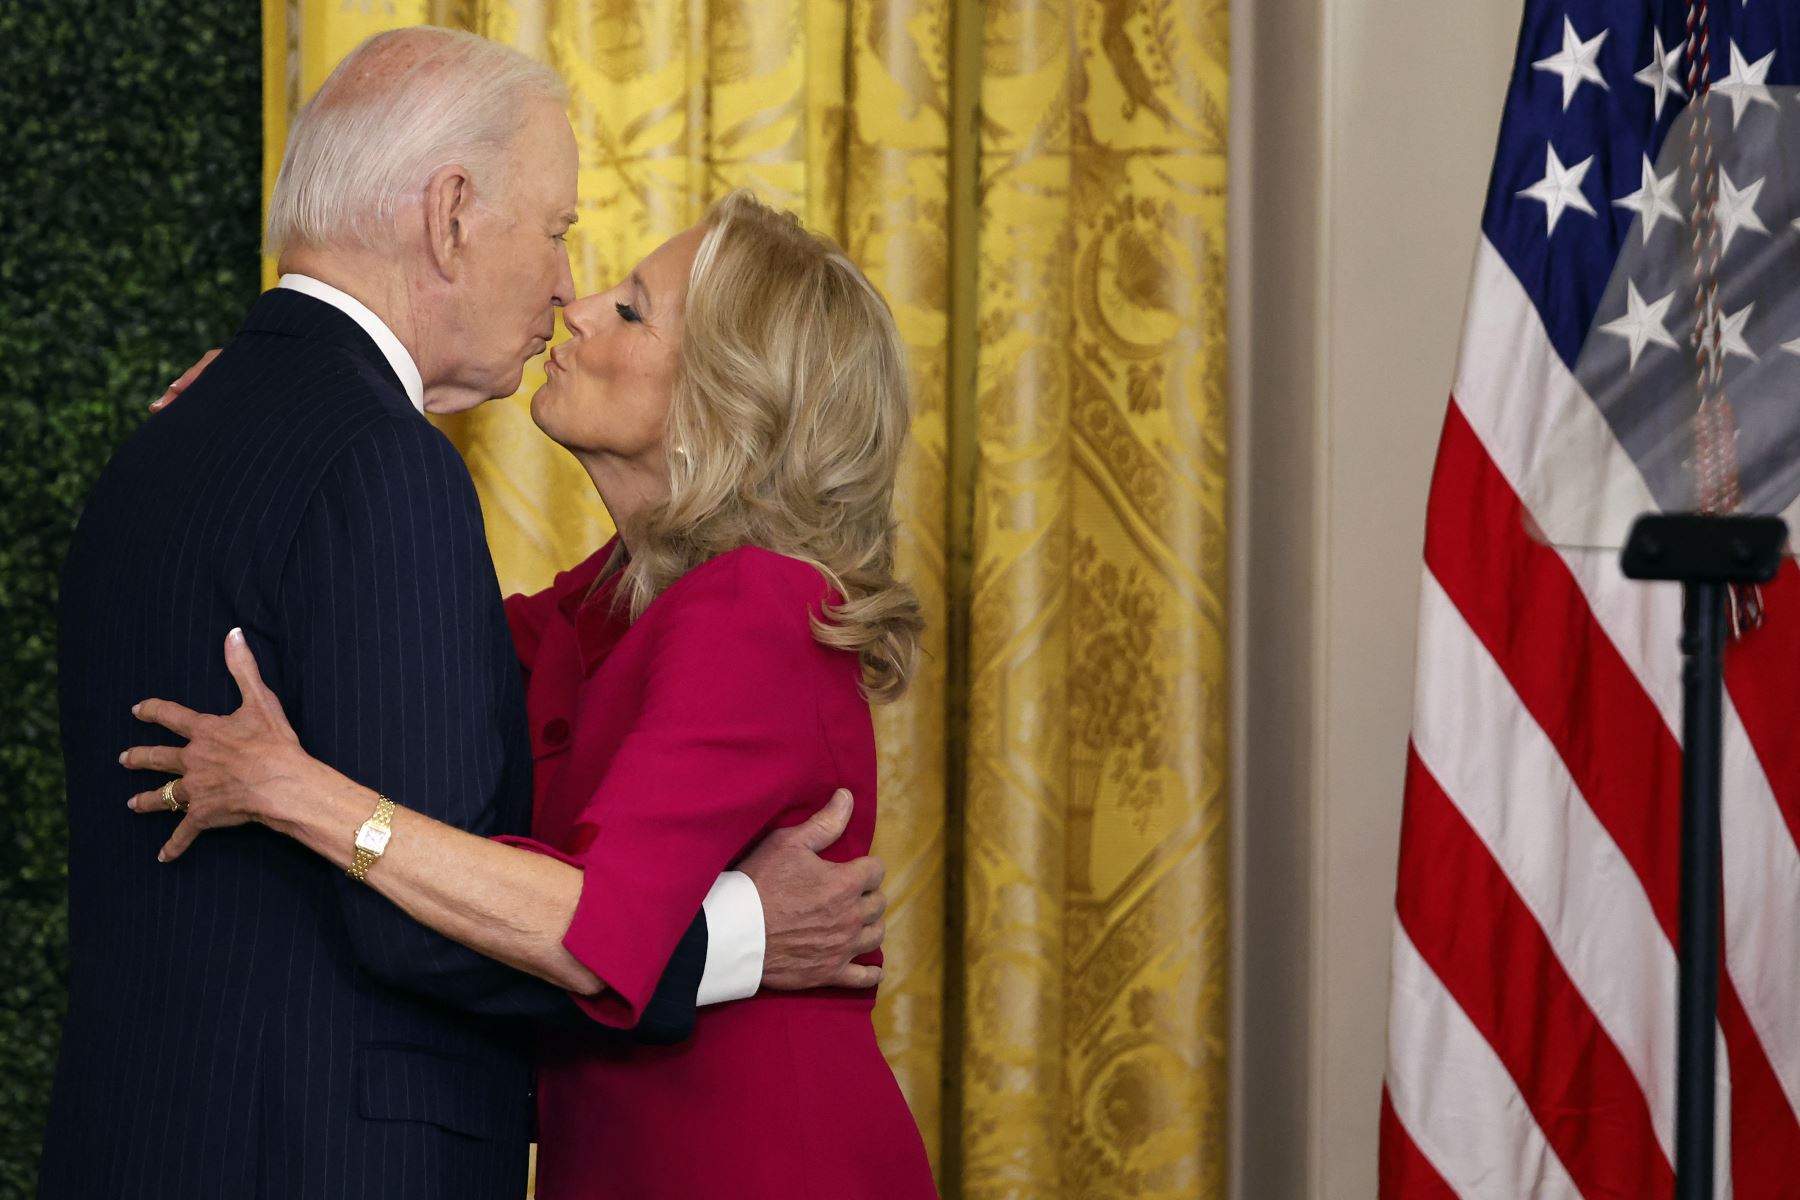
<point>1363,135</point>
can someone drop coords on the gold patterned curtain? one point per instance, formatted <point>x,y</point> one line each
<point>1038,186</point>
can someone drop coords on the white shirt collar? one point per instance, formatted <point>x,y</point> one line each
<point>374,326</point>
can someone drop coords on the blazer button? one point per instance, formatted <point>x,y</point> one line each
<point>556,732</point>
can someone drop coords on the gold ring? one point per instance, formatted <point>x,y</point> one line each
<point>168,795</point>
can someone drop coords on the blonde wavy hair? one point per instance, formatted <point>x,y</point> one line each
<point>786,425</point>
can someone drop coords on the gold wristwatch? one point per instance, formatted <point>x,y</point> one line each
<point>372,838</point>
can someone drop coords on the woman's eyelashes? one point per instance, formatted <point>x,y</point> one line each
<point>627,313</point>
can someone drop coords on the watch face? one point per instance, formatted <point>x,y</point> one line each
<point>373,838</point>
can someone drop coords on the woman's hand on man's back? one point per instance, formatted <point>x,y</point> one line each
<point>183,382</point>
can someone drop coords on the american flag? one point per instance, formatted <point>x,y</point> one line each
<point>1532,1018</point>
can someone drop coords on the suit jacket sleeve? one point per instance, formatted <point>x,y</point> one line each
<point>395,653</point>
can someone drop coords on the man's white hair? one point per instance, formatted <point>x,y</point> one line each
<point>399,107</point>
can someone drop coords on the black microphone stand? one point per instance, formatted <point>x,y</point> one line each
<point>1707,555</point>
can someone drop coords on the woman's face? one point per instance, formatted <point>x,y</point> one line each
<point>606,390</point>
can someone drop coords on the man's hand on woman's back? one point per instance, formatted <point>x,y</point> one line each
<point>818,915</point>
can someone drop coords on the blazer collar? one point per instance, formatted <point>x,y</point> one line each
<point>595,617</point>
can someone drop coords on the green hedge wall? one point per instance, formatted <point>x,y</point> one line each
<point>130,180</point>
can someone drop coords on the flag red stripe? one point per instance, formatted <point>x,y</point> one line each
<point>1479,938</point>
<point>1762,672</point>
<point>1405,1173</point>
<point>1520,600</point>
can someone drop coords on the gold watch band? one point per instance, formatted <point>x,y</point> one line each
<point>372,838</point>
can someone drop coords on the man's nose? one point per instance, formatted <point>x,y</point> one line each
<point>565,282</point>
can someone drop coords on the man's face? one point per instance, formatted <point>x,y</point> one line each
<point>517,266</point>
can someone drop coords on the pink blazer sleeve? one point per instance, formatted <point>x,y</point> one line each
<point>726,738</point>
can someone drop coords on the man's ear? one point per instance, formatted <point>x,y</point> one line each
<point>449,207</point>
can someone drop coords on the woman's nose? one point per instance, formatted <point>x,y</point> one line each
<point>579,316</point>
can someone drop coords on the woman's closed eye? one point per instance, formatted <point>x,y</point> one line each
<point>627,313</point>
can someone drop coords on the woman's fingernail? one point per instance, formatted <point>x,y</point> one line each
<point>236,635</point>
<point>161,857</point>
<point>123,755</point>
<point>135,707</point>
<point>132,804</point>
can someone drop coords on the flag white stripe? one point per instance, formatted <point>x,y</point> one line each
<point>1455,1099</point>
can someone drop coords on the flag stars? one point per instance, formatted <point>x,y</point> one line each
<point>1737,208</point>
<point>1575,62</point>
<point>1642,323</point>
<point>1654,199</point>
<point>1746,83</point>
<point>1560,188</point>
<point>1731,333</point>
<point>1660,76</point>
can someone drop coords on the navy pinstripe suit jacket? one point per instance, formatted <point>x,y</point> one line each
<point>246,1021</point>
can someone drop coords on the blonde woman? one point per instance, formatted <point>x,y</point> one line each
<point>740,403</point>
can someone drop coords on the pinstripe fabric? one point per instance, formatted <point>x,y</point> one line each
<point>247,1022</point>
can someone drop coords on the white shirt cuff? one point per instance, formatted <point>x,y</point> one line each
<point>735,940</point>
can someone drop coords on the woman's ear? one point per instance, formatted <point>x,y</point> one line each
<point>449,206</point>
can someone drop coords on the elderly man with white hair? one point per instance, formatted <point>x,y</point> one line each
<point>252,1021</point>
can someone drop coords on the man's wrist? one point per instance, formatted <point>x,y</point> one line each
<point>735,940</point>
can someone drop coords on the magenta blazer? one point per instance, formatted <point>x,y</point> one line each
<point>665,749</point>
